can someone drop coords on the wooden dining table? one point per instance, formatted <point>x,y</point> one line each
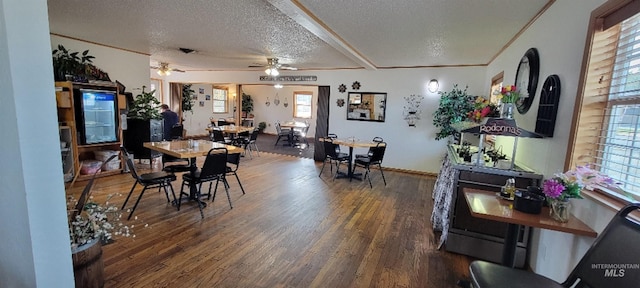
<point>352,142</point>
<point>190,149</point>
<point>231,129</point>
<point>488,205</point>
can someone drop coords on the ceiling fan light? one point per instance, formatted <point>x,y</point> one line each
<point>278,86</point>
<point>274,72</point>
<point>167,72</point>
<point>268,71</point>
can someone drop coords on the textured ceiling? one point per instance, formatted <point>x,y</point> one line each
<point>307,34</point>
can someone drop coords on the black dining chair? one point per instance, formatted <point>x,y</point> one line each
<point>218,136</point>
<point>370,152</point>
<point>249,144</point>
<point>333,155</point>
<point>377,155</point>
<point>233,163</point>
<point>183,165</point>
<point>614,246</point>
<point>158,180</point>
<point>282,133</point>
<point>213,169</point>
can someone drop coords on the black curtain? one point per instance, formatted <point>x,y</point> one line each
<point>322,121</point>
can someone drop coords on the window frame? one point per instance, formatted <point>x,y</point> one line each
<point>214,100</point>
<point>295,104</point>
<point>606,16</point>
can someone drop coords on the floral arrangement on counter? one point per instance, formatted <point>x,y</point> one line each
<point>508,94</point>
<point>482,108</point>
<point>564,186</point>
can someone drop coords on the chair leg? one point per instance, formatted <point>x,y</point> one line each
<point>224,180</point>
<point>323,162</point>
<point>385,180</point>
<point>215,191</point>
<point>130,191</point>
<point>368,173</point>
<point>136,205</point>
<point>257,150</point>
<point>337,170</point>
<point>237,178</point>
<point>172,192</point>
<point>166,193</point>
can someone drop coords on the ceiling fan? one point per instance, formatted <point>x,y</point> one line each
<point>164,70</point>
<point>273,66</point>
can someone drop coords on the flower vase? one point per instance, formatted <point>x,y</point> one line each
<point>560,210</point>
<point>507,110</point>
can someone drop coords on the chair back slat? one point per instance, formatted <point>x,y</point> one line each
<point>215,164</point>
<point>218,136</point>
<point>605,263</point>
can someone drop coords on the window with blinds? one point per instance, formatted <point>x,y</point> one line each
<point>608,123</point>
<point>220,100</point>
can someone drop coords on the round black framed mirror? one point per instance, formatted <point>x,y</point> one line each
<point>527,79</point>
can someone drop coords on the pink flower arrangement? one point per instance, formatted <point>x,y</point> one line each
<point>568,184</point>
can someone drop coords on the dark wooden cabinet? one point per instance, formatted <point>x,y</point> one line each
<point>139,131</point>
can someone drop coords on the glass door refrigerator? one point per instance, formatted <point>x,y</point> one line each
<point>97,117</point>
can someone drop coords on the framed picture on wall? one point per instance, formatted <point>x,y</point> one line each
<point>201,103</point>
<point>208,97</point>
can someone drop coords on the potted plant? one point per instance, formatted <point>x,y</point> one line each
<point>144,124</point>
<point>75,66</point>
<point>453,108</point>
<point>92,224</point>
<point>262,126</point>
<point>145,106</point>
<point>187,98</point>
<point>247,105</point>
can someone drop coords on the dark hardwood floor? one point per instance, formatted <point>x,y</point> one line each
<point>291,229</point>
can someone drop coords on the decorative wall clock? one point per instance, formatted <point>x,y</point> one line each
<point>355,85</point>
<point>527,79</point>
<point>549,98</point>
<point>342,88</point>
<point>340,102</point>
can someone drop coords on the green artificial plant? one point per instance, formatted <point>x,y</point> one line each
<point>75,65</point>
<point>187,98</point>
<point>145,106</point>
<point>247,103</point>
<point>453,108</point>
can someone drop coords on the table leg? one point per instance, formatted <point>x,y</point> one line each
<point>193,188</point>
<point>510,245</point>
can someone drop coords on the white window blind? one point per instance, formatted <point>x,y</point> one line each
<point>608,134</point>
<point>219,100</point>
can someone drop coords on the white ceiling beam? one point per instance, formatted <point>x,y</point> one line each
<point>296,11</point>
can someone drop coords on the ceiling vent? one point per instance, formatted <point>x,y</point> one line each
<point>187,50</point>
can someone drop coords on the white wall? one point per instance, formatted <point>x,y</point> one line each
<point>272,113</point>
<point>196,121</point>
<point>410,148</point>
<point>35,249</point>
<point>560,43</point>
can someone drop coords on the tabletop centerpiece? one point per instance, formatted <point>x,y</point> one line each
<point>564,186</point>
<point>508,97</point>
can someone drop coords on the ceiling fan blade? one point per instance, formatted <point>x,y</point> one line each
<point>177,70</point>
<point>256,65</point>
<point>288,68</point>
<point>154,67</point>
